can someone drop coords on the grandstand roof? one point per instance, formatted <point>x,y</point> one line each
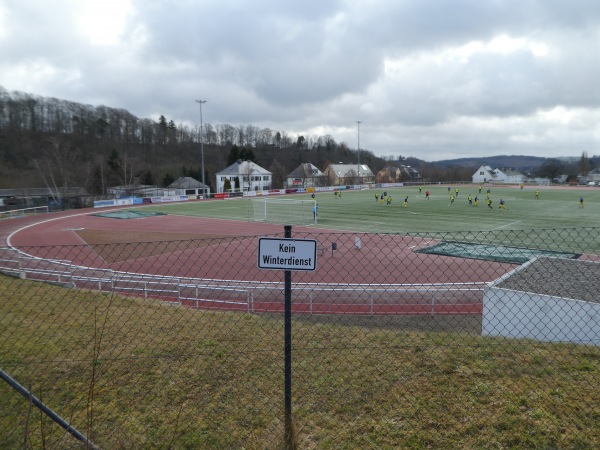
<point>186,183</point>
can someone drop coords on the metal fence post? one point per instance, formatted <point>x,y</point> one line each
<point>289,433</point>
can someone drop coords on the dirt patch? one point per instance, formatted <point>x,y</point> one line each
<point>93,237</point>
<point>117,246</point>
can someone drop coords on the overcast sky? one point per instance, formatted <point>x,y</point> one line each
<point>434,79</point>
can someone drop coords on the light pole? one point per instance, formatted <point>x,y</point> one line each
<point>358,122</point>
<point>202,147</point>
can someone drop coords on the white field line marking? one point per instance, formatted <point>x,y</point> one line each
<point>507,225</point>
<point>424,244</point>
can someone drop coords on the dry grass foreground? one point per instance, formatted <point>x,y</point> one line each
<point>136,373</point>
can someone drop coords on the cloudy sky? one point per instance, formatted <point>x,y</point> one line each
<point>434,79</point>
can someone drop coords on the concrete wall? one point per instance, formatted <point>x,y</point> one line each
<point>518,314</point>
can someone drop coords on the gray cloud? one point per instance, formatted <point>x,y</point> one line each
<point>432,79</point>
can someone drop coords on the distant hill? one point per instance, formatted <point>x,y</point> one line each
<point>519,162</point>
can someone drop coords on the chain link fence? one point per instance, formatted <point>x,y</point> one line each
<point>428,340</point>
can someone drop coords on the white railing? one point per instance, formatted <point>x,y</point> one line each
<point>254,296</point>
<point>14,213</point>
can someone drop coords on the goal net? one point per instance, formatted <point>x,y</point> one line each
<point>277,210</point>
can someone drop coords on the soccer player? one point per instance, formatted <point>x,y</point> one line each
<point>581,202</point>
<point>420,188</point>
<point>335,193</point>
<point>480,186</point>
<point>489,203</point>
<point>427,195</point>
<point>456,190</point>
<point>376,197</point>
<point>405,204</point>
<point>389,200</point>
<point>502,205</point>
<point>470,199</point>
<point>315,211</point>
<point>537,194</point>
<point>476,201</point>
<point>451,199</point>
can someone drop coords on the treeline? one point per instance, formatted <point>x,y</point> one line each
<point>48,142</point>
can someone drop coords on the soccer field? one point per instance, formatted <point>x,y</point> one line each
<point>358,211</point>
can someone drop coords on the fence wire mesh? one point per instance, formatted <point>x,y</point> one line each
<point>179,344</point>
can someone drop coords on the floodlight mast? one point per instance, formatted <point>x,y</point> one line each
<point>358,122</point>
<point>202,148</point>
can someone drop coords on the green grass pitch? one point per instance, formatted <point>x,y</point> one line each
<point>358,211</point>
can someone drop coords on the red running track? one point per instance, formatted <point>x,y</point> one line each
<point>381,260</point>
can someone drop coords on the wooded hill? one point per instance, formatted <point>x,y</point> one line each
<point>48,142</point>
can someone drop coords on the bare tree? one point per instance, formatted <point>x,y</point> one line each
<point>56,168</point>
<point>122,166</point>
<point>246,170</point>
<point>584,164</point>
<point>329,176</point>
<point>279,172</point>
<point>351,177</point>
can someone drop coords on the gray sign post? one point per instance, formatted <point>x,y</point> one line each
<point>287,254</point>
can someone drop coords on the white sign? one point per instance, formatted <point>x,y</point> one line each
<point>287,254</point>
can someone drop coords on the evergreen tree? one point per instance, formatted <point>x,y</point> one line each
<point>113,160</point>
<point>246,154</point>
<point>167,180</point>
<point>147,178</point>
<point>234,155</point>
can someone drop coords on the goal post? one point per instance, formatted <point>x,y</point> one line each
<point>288,211</point>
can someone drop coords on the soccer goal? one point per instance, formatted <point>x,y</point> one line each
<point>288,211</point>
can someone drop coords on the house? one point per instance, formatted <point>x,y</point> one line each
<point>593,175</point>
<point>348,174</point>
<point>510,176</point>
<point>387,175</point>
<point>484,174</point>
<point>306,175</point>
<point>393,174</point>
<point>251,177</point>
<point>407,173</point>
<point>188,186</point>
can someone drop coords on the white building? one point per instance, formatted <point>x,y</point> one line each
<point>251,177</point>
<point>485,174</point>
<point>593,175</point>
<point>510,176</point>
